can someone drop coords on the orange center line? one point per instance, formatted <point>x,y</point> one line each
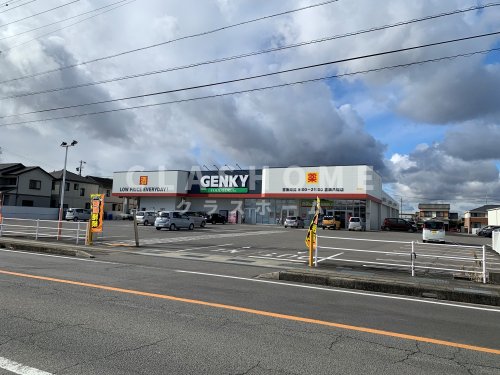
<point>261,313</point>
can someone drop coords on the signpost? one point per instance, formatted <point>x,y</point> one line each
<point>96,215</point>
<point>311,239</point>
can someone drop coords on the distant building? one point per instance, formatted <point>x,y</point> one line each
<point>77,190</point>
<point>440,211</point>
<point>25,186</point>
<point>111,203</point>
<point>478,217</point>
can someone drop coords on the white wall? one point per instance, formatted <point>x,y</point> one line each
<point>18,212</point>
<point>159,203</point>
<point>351,179</point>
<point>494,216</point>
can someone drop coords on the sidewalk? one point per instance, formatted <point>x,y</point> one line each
<point>58,248</point>
<point>440,287</point>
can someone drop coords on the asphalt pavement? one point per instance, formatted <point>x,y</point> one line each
<point>128,313</point>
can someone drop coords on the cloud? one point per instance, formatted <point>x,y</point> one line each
<point>329,122</point>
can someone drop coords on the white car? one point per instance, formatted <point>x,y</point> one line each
<point>77,214</point>
<point>145,217</point>
<point>356,223</point>
<point>199,219</point>
<point>173,220</point>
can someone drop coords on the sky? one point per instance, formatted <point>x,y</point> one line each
<point>432,130</point>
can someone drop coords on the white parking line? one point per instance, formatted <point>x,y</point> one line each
<point>18,368</point>
<point>204,247</point>
<point>330,257</point>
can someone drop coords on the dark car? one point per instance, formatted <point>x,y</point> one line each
<point>394,223</point>
<point>487,231</point>
<point>216,219</point>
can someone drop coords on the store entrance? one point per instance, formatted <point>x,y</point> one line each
<point>250,216</point>
<point>343,215</point>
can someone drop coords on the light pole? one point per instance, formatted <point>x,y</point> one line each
<point>63,187</point>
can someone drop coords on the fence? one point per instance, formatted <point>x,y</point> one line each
<point>495,238</point>
<point>412,254</point>
<point>65,230</point>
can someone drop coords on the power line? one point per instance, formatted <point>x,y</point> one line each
<point>60,21</point>
<point>168,41</point>
<point>10,2</point>
<point>255,89</point>
<point>18,6</point>
<point>67,26</point>
<point>256,76</point>
<point>37,14</point>
<point>255,53</point>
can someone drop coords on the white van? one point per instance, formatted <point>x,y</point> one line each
<point>433,231</point>
<point>77,214</point>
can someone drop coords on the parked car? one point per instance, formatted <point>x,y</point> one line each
<point>199,218</point>
<point>216,219</point>
<point>294,222</point>
<point>356,223</point>
<point>433,231</point>
<point>145,217</point>
<point>487,231</point>
<point>77,214</point>
<point>173,220</point>
<point>330,222</point>
<point>394,223</point>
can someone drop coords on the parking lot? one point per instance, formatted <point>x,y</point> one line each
<point>284,247</point>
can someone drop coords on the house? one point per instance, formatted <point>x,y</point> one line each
<point>477,218</point>
<point>111,203</point>
<point>25,186</point>
<point>440,211</point>
<point>77,190</point>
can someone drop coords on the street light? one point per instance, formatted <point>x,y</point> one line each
<point>61,205</point>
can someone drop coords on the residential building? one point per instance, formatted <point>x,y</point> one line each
<point>111,203</point>
<point>477,218</point>
<point>440,211</point>
<point>25,186</point>
<point>494,216</point>
<point>76,192</point>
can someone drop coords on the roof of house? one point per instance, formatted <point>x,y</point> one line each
<point>16,169</point>
<point>433,206</point>
<point>102,181</point>
<point>70,176</point>
<point>485,208</point>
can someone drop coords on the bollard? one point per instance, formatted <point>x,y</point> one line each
<point>413,258</point>
<point>484,264</point>
<point>37,226</point>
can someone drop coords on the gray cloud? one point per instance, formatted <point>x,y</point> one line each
<point>473,142</point>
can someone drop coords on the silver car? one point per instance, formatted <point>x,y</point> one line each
<point>198,218</point>
<point>294,222</point>
<point>145,217</point>
<point>77,214</point>
<point>173,220</point>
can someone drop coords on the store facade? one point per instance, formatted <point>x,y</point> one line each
<point>263,196</point>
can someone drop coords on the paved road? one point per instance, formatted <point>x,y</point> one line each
<point>280,247</point>
<point>137,314</point>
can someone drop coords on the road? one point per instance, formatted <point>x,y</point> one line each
<point>128,313</point>
<point>279,247</point>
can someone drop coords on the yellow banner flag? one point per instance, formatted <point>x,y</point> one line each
<point>311,233</point>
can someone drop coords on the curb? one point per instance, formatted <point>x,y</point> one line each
<point>462,292</point>
<point>43,248</point>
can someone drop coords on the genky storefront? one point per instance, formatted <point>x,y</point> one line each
<point>262,196</point>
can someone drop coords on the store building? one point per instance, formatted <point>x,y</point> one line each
<point>262,196</point>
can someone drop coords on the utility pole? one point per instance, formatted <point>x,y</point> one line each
<point>81,167</point>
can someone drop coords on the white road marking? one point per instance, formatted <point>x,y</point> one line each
<point>284,260</point>
<point>330,257</point>
<point>204,247</point>
<point>346,291</point>
<point>18,368</point>
<point>58,256</point>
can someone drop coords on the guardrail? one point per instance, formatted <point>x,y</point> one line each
<point>69,230</point>
<point>412,254</point>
